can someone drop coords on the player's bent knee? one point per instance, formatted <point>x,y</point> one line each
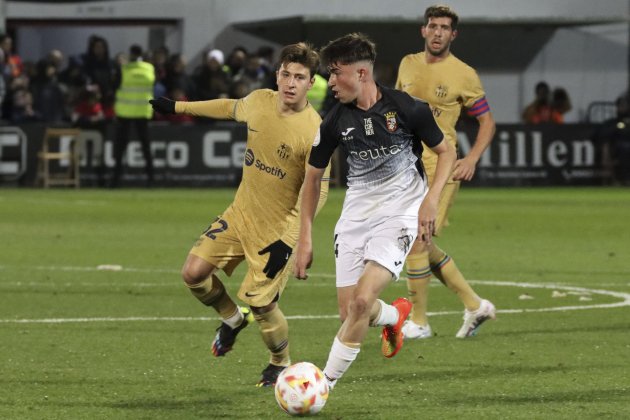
<point>359,306</point>
<point>196,270</point>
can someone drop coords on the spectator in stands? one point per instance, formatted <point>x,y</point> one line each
<point>99,68</point>
<point>88,114</point>
<point>13,86</point>
<point>212,79</point>
<point>13,66</point>
<point>236,60</point>
<point>88,111</point>
<point>133,109</point>
<point>252,75</point>
<point>3,85</point>
<point>539,111</point>
<point>22,109</point>
<point>48,94</point>
<point>159,58</point>
<point>265,54</point>
<point>176,76</point>
<point>614,135</point>
<point>55,57</point>
<point>73,79</point>
<point>560,105</point>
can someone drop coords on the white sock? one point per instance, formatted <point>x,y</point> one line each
<point>236,319</point>
<point>339,359</point>
<point>388,315</point>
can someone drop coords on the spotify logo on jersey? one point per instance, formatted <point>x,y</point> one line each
<point>263,167</point>
<point>249,157</point>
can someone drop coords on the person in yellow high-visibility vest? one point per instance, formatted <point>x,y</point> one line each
<point>317,95</point>
<point>132,108</point>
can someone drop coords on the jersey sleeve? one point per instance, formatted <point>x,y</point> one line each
<point>221,109</point>
<point>473,96</point>
<point>250,103</point>
<point>324,145</point>
<point>423,124</point>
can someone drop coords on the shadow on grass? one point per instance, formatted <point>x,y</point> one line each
<point>542,397</point>
<point>475,373</point>
<point>622,327</point>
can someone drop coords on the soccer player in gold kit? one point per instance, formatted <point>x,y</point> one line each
<point>448,85</point>
<point>261,225</point>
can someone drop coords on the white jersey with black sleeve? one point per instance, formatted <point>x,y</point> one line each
<point>382,145</point>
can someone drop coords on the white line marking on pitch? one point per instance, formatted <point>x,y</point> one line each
<point>621,295</point>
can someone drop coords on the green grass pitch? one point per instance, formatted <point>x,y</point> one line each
<point>77,342</point>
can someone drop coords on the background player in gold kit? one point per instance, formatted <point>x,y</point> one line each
<point>261,225</point>
<point>447,84</point>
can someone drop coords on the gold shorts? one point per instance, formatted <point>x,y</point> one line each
<point>225,244</point>
<point>447,198</point>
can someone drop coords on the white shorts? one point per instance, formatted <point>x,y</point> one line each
<point>385,240</point>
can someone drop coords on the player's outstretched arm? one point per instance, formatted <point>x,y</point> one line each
<point>310,199</point>
<point>221,109</point>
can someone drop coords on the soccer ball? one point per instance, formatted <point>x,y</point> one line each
<point>301,389</point>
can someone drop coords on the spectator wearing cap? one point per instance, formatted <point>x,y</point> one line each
<point>212,79</point>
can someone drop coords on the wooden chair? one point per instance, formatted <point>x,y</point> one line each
<point>50,174</point>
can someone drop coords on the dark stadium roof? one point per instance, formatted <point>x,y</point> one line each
<point>485,45</point>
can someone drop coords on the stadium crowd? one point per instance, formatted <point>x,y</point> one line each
<point>83,90</point>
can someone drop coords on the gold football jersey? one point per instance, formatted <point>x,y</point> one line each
<point>277,150</point>
<point>277,153</point>
<point>447,86</point>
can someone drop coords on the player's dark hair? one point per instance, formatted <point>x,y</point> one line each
<point>441,10</point>
<point>301,53</point>
<point>349,49</point>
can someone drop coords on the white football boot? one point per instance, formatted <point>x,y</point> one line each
<point>474,319</point>
<point>412,331</point>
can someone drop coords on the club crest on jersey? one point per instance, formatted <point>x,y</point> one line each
<point>441,91</point>
<point>390,121</point>
<point>284,151</point>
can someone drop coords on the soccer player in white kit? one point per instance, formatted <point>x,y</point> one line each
<point>388,204</point>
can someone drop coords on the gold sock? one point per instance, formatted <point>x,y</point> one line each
<point>418,279</point>
<point>445,269</point>
<point>211,292</point>
<point>274,329</point>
